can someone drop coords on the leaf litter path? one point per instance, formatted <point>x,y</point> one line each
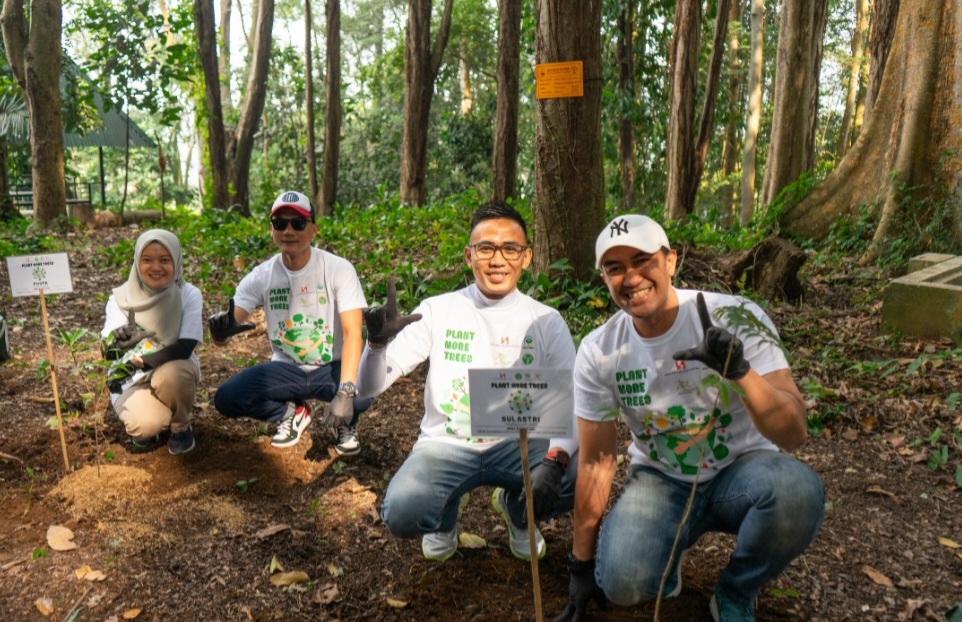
<point>195,537</point>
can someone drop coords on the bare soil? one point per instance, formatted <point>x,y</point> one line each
<point>194,537</point>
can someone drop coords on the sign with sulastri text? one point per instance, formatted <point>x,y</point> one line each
<point>31,274</point>
<point>506,401</point>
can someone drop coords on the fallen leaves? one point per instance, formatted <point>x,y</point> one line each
<point>397,604</point>
<point>89,574</point>
<point>267,532</point>
<point>60,538</point>
<point>877,576</point>
<point>471,541</point>
<point>44,605</point>
<point>289,578</point>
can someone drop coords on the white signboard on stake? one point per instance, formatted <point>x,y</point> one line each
<point>506,401</point>
<point>31,274</point>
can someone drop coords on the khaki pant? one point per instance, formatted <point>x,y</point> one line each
<point>165,401</point>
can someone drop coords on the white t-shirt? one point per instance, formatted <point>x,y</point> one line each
<point>618,372</point>
<point>463,330</point>
<point>303,308</point>
<point>191,327</point>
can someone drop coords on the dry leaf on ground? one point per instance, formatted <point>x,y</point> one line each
<point>60,538</point>
<point>44,605</point>
<point>397,604</point>
<point>471,541</point>
<point>289,578</point>
<point>877,576</point>
<point>270,531</point>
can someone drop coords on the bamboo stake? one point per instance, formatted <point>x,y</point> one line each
<point>532,544</point>
<point>53,380</point>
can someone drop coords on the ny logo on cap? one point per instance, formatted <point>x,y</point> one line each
<point>291,197</point>
<point>618,227</point>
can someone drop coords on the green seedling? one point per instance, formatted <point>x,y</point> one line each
<point>38,553</point>
<point>338,467</point>
<point>244,484</point>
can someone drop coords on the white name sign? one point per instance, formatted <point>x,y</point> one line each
<point>506,401</point>
<point>31,273</point>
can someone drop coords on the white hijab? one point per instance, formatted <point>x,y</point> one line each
<point>157,310</point>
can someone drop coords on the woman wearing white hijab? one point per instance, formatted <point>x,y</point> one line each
<point>154,322</point>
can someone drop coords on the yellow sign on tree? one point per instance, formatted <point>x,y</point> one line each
<point>554,80</point>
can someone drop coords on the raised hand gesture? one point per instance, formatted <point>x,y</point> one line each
<point>384,322</point>
<point>720,350</point>
<point>223,326</point>
<point>129,335</point>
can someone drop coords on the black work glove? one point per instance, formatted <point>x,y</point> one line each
<point>714,349</point>
<point>384,322</point>
<point>546,487</point>
<point>341,410</point>
<point>582,588</point>
<point>223,325</point>
<point>129,335</point>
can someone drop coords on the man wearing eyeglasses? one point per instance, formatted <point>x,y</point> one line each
<point>655,364</point>
<point>312,301</point>
<point>487,324</point>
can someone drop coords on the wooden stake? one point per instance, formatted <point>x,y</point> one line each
<point>53,379</point>
<point>532,544</point>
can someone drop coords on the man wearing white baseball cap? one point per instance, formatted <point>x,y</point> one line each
<point>312,300</point>
<point>647,365</point>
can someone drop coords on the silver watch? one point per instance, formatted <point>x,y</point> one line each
<point>348,388</point>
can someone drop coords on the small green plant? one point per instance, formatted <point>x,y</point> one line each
<point>109,456</point>
<point>42,371</point>
<point>338,467</point>
<point>312,508</point>
<point>38,553</point>
<point>245,484</point>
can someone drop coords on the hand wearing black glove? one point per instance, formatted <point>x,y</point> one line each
<point>384,322</point>
<point>714,349</point>
<point>129,335</point>
<point>341,410</point>
<point>546,484</point>
<point>582,589</point>
<point>223,325</point>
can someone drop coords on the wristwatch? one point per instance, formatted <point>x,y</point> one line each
<point>348,388</point>
<point>558,455</point>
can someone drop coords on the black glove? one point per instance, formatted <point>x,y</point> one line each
<point>714,349</point>
<point>546,487</point>
<point>384,322</point>
<point>341,410</point>
<point>582,588</point>
<point>129,335</point>
<point>223,325</point>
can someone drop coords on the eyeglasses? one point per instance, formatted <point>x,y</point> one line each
<point>486,250</point>
<point>280,224</point>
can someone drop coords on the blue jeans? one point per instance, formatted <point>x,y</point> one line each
<point>423,495</point>
<point>772,502</point>
<point>263,391</point>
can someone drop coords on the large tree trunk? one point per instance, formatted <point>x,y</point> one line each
<point>912,139</point>
<point>332,114</point>
<point>504,160</point>
<point>882,34</point>
<point>421,64</point>
<point>755,66</point>
<point>682,84</point>
<point>626,98</point>
<point>730,148</point>
<point>569,209</point>
<point>792,148</point>
<point>309,106</point>
<point>239,152</point>
<point>464,77</point>
<point>35,59</point>
<point>855,72</point>
<point>711,97</point>
<point>216,144</point>
<point>224,57</point>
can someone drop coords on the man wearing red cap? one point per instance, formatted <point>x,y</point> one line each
<point>654,365</point>
<point>312,301</point>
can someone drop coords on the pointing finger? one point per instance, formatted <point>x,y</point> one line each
<point>230,307</point>
<point>391,293</point>
<point>130,318</point>
<point>706,322</point>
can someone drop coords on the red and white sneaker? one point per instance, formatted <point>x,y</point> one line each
<point>290,428</point>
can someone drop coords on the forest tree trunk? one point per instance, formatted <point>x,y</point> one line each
<point>311,151</point>
<point>730,148</point>
<point>569,208</point>
<point>792,148</point>
<point>882,33</point>
<point>216,144</point>
<point>626,100</point>
<point>421,64</point>
<point>224,58</point>
<point>910,147</point>
<point>333,112</point>
<point>682,84</point>
<point>504,159</point>
<point>34,58</point>
<point>755,66</point>
<point>855,72</point>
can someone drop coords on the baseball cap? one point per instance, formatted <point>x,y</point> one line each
<point>632,230</point>
<point>296,201</point>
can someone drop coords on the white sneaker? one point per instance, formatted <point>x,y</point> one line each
<point>441,545</point>
<point>347,443</point>
<point>295,421</point>
<point>517,538</point>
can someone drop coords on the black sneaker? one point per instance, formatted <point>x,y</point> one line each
<point>144,442</point>
<point>181,442</point>
<point>295,421</point>
<point>347,442</point>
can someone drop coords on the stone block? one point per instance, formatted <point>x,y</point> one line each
<point>927,302</point>
<point>927,259</point>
